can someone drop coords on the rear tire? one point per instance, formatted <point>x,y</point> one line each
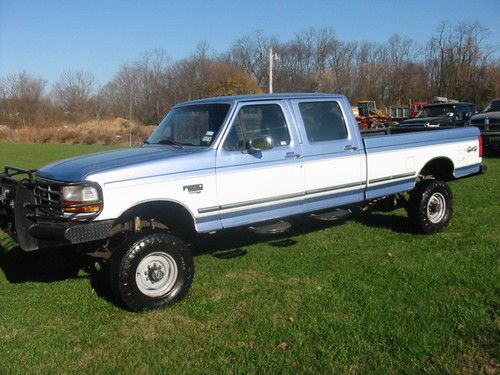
<point>155,270</point>
<point>430,206</point>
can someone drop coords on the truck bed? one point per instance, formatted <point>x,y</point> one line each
<point>395,156</point>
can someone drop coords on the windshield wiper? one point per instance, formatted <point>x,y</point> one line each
<point>171,143</point>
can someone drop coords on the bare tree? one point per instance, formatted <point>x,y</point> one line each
<point>458,59</point>
<point>140,90</point>
<point>250,54</point>
<point>22,96</point>
<point>456,62</point>
<point>201,76</point>
<point>73,92</point>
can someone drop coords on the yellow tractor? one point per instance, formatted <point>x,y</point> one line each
<point>369,116</point>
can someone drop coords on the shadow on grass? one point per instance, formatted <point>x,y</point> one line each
<point>99,280</point>
<point>39,266</point>
<point>58,264</point>
<point>229,254</point>
<point>49,265</point>
<point>399,224</point>
<point>230,243</point>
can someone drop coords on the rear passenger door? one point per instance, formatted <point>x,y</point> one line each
<point>332,155</point>
<point>258,186</point>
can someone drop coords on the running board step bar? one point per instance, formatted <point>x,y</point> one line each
<point>273,228</point>
<point>334,215</point>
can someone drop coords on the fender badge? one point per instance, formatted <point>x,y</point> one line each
<point>197,188</point>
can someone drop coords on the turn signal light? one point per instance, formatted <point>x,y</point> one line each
<point>86,208</point>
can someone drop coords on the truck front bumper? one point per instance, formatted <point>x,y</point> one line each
<point>19,219</point>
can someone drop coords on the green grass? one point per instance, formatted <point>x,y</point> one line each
<point>360,297</point>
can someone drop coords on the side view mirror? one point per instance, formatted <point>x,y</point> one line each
<point>261,143</point>
<point>467,115</point>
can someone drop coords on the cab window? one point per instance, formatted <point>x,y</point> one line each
<point>323,121</point>
<point>253,121</point>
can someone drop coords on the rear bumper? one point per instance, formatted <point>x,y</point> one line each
<point>18,219</point>
<point>491,138</point>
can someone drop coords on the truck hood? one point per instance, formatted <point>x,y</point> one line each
<point>79,168</point>
<point>421,121</point>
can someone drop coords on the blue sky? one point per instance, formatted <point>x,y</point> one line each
<point>48,37</point>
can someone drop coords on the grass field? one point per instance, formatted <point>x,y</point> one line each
<point>362,296</point>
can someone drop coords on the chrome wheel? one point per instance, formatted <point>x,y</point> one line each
<point>156,274</point>
<point>436,208</point>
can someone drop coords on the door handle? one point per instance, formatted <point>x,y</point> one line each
<point>350,148</point>
<point>292,154</point>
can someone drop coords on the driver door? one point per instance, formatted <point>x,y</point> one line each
<point>257,186</point>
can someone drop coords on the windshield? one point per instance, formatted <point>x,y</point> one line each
<point>437,111</point>
<point>195,125</point>
<point>494,106</point>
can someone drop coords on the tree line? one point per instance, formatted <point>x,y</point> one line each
<point>456,62</point>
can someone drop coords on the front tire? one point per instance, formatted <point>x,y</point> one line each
<point>430,206</point>
<point>156,270</point>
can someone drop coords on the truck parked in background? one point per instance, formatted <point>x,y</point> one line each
<point>488,122</point>
<point>442,115</point>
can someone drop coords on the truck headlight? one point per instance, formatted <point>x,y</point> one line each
<point>81,198</point>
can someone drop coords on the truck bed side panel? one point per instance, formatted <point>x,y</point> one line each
<point>394,161</point>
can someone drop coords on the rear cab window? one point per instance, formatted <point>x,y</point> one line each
<point>323,121</point>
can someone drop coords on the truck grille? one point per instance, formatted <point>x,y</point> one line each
<point>48,199</point>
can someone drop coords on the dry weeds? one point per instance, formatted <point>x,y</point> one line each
<point>116,131</point>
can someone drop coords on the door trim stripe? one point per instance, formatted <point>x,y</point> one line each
<point>390,178</point>
<point>279,198</point>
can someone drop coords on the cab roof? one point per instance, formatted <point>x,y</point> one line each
<point>257,97</point>
<point>448,104</point>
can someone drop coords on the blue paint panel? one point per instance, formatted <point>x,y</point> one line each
<point>275,211</point>
<point>464,171</point>
<point>330,155</point>
<point>255,215</point>
<point>333,200</point>
<point>249,215</point>
<point>208,224</point>
<point>237,164</point>
<point>131,163</point>
<point>257,97</point>
<point>393,187</point>
<point>419,139</point>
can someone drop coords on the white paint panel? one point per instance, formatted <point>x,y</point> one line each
<point>250,184</point>
<point>394,162</point>
<point>334,171</point>
<point>119,198</point>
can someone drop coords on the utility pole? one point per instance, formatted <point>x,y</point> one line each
<point>272,57</point>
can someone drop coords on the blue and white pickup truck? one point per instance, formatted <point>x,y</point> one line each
<point>225,162</point>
